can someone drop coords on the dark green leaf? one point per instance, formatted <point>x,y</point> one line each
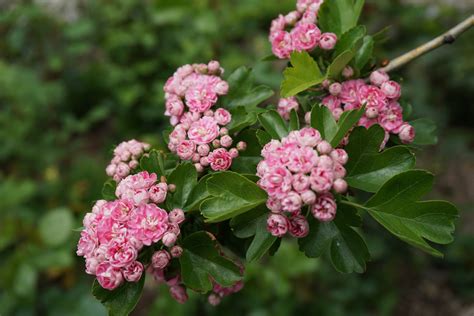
<point>350,41</point>
<point>154,162</point>
<point>248,159</point>
<point>367,168</point>
<point>395,206</point>
<point>108,190</point>
<point>122,300</point>
<point>263,137</point>
<point>338,64</point>
<point>294,121</point>
<point>323,121</point>
<point>232,195</point>
<point>198,194</point>
<point>274,124</point>
<point>345,123</point>
<point>201,260</point>
<point>347,249</point>
<point>364,53</point>
<point>185,179</point>
<point>303,74</point>
<point>339,16</point>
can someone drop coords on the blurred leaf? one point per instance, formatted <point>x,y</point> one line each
<point>274,124</point>
<point>367,168</point>
<point>232,195</point>
<point>56,226</point>
<point>303,74</point>
<point>338,16</point>
<point>122,300</point>
<point>425,132</point>
<point>201,260</point>
<point>108,190</point>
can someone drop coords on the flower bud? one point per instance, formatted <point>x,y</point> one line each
<point>378,77</point>
<point>160,259</point>
<point>340,186</point>
<point>324,147</point>
<point>407,133</point>
<point>347,72</point>
<point>176,251</point>
<point>226,141</point>
<point>371,112</point>
<point>169,239</point>
<point>335,88</point>
<point>176,216</point>
<point>241,146</point>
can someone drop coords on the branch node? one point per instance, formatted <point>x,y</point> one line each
<point>449,39</point>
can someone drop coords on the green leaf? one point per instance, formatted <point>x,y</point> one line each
<point>263,137</point>
<point>395,207</point>
<point>254,223</point>
<point>248,159</point>
<point>338,64</point>
<point>364,53</point>
<point>274,124</point>
<point>154,162</point>
<point>350,40</point>
<point>367,168</point>
<point>323,121</point>
<point>345,123</point>
<point>122,300</point>
<point>232,195</point>
<point>242,92</point>
<point>198,194</point>
<point>108,190</point>
<point>241,118</point>
<point>346,247</point>
<point>339,16</point>
<point>56,226</point>
<point>303,74</point>
<point>185,179</point>
<point>294,121</point>
<point>201,260</point>
<point>425,132</point>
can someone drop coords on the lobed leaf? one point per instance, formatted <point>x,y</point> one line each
<point>303,74</point>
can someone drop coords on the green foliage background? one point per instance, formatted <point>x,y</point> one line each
<point>73,85</point>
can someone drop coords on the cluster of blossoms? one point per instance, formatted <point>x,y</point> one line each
<point>300,170</point>
<point>126,158</point>
<point>297,31</point>
<point>115,231</point>
<point>199,133</point>
<point>285,105</point>
<point>380,98</point>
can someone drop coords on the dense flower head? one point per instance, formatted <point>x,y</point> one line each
<point>301,169</point>
<point>297,31</point>
<point>200,134</point>
<point>116,231</point>
<point>126,157</point>
<point>380,98</point>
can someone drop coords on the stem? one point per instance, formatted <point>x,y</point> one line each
<point>447,38</point>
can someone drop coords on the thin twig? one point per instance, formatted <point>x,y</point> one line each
<point>447,38</point>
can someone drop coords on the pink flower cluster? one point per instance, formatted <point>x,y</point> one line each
<point>297,31</point>
<point>193,88</point>
<point>285,105</point>
<point>381,101</point>
<point>126,157</point>
<point>299,170</point>
<point>200,134</point>
<point>115,231</point>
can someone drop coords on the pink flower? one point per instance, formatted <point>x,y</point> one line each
<point>133,272</point>
<point>332,102</point>
<point>278,24</point>
<point>321,179</point>
<point>277,225</point>
<point>220,159</point>
<point>391,119</point>
<point>302,159</point>
<point>157,193</point>
<point>87,243</point>
<point>169,239</point>
<point>149,223</point>
<point>292,202</point>
<point>200,97</point>
<point>406,133</point>
<point>339,155</point>
<point>176,216</point>
<point>324,209</point>
<point>299,226</point>
<point>350,92</point>
<point>285,105</point>
<point>308,136</point>
<point>327,41</point>
<point>273,205</point>
<point>174,106</point>
<point>160,259</point>
<point>281,44</point>
<point>108,276</point>
<point>222,116</point>
<point>121,254</point>
<point>372,96</point>
<point>178,293</point>
<point>378,77</point>
<point>277,182</point>
<point>308,197</point>
<point>391,89</point>
<point>300,182</point>
<point>203,131</point>
<point>186,149</point>
<point>305,36</point>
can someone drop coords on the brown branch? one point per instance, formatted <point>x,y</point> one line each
<point>447,38</point>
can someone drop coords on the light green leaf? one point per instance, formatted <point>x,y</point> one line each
<point>122,300</point>
<point>339,16</point>
<point>338,64</point>
<point>303,74</point>
<point>232,194</point>
<point>201,260</point>
<point>346,247</point>
<point>185,179</point>
<point>56,226</point>
<point>274,124</point>
<point>395,207</point>
<point>323,121</point>
<point>367,168</point>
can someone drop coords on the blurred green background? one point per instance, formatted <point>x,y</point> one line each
<point>78,76</point>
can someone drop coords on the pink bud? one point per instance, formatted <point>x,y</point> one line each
<point>214,67</point>
<point>199,167</point>
<point>407,133</point>
<point>340,155</point>
<point>223,131</point>
<point>176,216</point>
<point>274,205</point>
<point>226,141</point>
<point>214,299</point>
<point>326,83</point>
<point>378,77</point>
<point>324,147</point>
<point>204,161</point>
<point>337,112</point>
<point>110,170</point>
<point>340,186</point>
<point>277,224</point>
<point>347,72</point>
<point>299,226</point>
<point>176,251</point>
<point>391,89</point>
<point>339,171</point>
<point>209,113</point>
<point>307,118</point>
<point>216,143</point>
<point>371,112</point>
<point>178,293</point>
<point>169,239</point>
<point>171,187</point>
<point>324,209</point>
<point>335,88</point>
<point>241,146</point>
<point>203,150</point>
<point>308,197</point>
<point>327,41</point>
<point>160,259</point>
<point>196,157</point>
<point>234,153</point>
